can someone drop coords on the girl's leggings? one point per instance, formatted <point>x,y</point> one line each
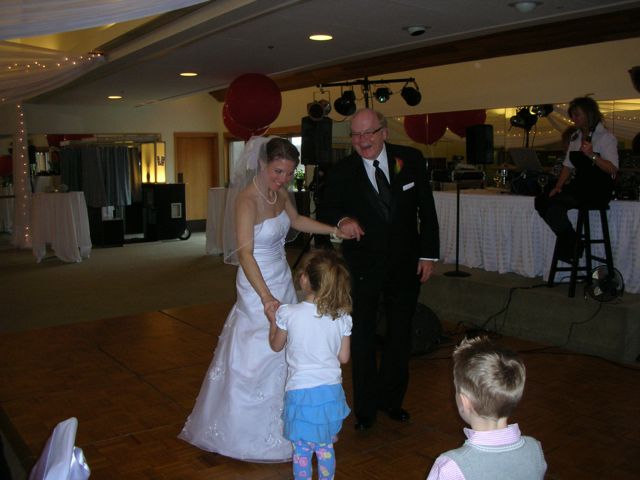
<point>303,454</point>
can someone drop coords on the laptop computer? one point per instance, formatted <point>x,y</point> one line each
<point>525,159</point>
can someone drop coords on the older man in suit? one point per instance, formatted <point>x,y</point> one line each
<point>380,197</point>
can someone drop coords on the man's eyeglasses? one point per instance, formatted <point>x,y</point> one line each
<point>366,133</point>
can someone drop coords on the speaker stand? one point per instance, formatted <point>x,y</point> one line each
<point>457,272</point>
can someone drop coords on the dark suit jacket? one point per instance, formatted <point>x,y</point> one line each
<point>391,245</point>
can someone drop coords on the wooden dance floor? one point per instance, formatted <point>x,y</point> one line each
<point>132,381</point>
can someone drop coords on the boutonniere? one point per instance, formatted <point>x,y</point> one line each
<point>399,165</point>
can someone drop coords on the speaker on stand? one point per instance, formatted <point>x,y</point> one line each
<point>315,149</point>
<point>479,152</point>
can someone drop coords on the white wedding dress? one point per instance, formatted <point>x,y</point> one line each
<point>238,411</point>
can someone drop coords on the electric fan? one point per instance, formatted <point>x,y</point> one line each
<point>605,285</point>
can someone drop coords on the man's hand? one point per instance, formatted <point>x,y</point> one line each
<point>425,269</point>
<point>350,228</point>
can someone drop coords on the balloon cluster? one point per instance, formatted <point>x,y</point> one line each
<point>429,128</point>
<point>252,103</point>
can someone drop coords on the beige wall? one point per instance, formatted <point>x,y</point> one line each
<point>549,77</point>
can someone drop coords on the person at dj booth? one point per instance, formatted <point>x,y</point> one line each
<point>592,161</point>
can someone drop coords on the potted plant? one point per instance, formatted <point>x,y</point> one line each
<point>299,179</point>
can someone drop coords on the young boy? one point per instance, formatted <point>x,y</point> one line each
<point>489,381</point>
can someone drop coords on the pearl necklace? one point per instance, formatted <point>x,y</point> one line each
<point>275,195</point>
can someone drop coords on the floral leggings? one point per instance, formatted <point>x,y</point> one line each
<point>303,454</point>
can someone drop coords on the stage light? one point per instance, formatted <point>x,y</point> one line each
<point>411,95</point>
<point>318,109</point>
<point>524,119</point>
<point>382,94</point>
<point>542,110</point>
<point>346,104</point>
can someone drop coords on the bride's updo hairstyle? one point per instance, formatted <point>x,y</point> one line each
<point>282,148</point>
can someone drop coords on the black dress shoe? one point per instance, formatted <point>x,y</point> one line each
<point>363,423</point>
<point>398,414</point>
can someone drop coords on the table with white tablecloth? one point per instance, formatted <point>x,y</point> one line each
<point>61,220</point>
<point>215,220</point>
<point>504,233</point>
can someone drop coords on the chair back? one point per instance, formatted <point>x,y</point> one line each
<point>60,459</point>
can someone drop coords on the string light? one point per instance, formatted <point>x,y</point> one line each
<point>53,63</point>
<point>22,188</point>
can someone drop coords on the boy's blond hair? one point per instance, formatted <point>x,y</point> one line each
<point>329,280</point>
<point>491,376</point>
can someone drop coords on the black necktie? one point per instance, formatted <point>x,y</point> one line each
<point>384,189</point>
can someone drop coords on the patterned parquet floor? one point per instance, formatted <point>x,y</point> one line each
<point>132,381</point>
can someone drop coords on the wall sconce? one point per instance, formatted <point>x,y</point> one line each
<point>153,162</point>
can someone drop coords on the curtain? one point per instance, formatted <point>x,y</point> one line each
<point>102,172</point>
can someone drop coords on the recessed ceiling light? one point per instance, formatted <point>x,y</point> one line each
<point>320,37</point>
<point>114,97</point>
<point>525,6</point>
<point>188,74</point>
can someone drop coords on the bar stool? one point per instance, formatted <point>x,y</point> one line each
<point>583,236</point>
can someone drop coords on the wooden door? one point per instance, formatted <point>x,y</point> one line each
<point>197,165</point>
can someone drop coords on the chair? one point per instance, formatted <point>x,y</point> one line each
<point>583,238</point>
<point>60,459</point>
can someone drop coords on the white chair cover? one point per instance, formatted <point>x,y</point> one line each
<point>60,459</point>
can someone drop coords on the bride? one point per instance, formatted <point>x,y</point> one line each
<point>237,413</point>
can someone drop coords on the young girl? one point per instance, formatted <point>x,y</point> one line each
<point>317,334</point>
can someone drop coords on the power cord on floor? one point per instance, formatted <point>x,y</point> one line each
<point>505,309</point>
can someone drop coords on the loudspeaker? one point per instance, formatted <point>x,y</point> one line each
<point>316,141</point>
<point>480,144</point>
<point>426,329</point>
<point>635,77</point>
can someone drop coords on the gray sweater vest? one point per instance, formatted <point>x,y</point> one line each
<point>522,460</point>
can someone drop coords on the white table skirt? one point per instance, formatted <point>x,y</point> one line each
<point>215,220</point>
<point>60,219</point>
<point>6,210</point>
<point>504,233</point>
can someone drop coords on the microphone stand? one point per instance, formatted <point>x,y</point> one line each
<point>457,272</point>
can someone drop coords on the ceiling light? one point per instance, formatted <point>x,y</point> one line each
<point>188,74</point>
<point>320,37</point>
<point>382,94</point>
<point>114,97</point>
<point>525,6</point>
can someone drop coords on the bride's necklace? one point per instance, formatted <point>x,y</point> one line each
<point>270,202</point>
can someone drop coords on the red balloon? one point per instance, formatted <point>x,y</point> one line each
<point>238,130</point>
<point>6,165</point>
<point>254,101</point>
<point>425,129</point>
<point>458,122</point>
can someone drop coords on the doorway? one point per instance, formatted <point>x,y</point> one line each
<point>198,167</point>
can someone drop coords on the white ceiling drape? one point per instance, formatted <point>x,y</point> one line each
<point>28,18</point>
